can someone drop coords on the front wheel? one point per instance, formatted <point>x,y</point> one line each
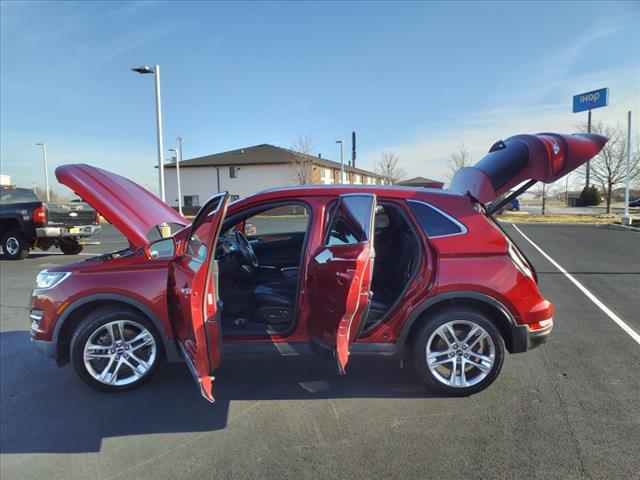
<point>115,349</point>
<point>458,352</point>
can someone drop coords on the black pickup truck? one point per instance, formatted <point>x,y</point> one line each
<point>26,222</point>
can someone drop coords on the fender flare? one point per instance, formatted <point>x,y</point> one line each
<point>169,344</point>
<point>455,295</point>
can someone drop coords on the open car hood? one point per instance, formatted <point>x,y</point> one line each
<point>544,157</point>
<point>131,208</point>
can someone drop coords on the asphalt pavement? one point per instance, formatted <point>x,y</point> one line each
<point>567,410</point>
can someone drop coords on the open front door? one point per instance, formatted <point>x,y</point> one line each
<point>195,306</point>
<point>339,281</point>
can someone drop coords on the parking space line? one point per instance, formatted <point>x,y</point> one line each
<point>621,323</point>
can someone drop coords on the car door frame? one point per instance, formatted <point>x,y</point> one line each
<point>204,306</point>
<point>347,331</point>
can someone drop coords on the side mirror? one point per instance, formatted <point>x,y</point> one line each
<point>164,249</point>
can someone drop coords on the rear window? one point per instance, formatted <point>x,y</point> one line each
<point>503,162</point>
<point>435,222</point>
<point>17,195</point>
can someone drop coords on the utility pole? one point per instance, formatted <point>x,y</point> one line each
<point>588,161</point>
<point>178,159</point>
<point>46,170</point>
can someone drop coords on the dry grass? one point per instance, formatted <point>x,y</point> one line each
<point>559,218</point>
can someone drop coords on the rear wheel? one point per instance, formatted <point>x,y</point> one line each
<point>15,246</point>
<point>458,352</point>
<point>115,349</point>
<point>70,248</point>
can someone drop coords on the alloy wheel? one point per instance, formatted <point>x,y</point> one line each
<point>460,353</point>
<point>119,352</point>
<point>12,245</point>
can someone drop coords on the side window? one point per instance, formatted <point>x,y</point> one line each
<point>381,218</point>
<point>281,219</point>
<point>435,222</point>
<point>198,243</point>
<point>351,221</point>
<point>232,172</point>
<point>191,201</point>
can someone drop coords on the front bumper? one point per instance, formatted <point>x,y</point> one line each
<point>46,346</point>
<point>57,232</point>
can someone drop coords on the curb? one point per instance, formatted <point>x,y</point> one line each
<point>615,226</point>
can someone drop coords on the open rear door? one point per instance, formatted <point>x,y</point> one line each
<point>339,281</point>
<point>194,281</point>
<point>545,157</point>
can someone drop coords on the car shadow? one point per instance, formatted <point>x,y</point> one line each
<point>46,409</point>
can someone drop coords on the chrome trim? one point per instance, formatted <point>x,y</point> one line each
<point>461,226</point>
<point>54,232</point>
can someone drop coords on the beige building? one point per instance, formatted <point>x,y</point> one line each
<point>245,171</point>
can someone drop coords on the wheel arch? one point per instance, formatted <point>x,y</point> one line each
<point>499,315</point>
<point>77,311</point>
<point>7,224</point>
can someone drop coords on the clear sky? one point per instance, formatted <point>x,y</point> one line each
<point>413,78</point>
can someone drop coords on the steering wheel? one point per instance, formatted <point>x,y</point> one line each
<point>248,256</point>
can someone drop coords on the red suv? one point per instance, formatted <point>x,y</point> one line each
<point>444,284</point>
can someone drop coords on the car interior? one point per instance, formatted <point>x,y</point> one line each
<point>259,258</point>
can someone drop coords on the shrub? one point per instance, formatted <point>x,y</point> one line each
<point>589,196</point>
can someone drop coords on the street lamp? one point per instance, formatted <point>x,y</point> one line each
<point>341,161</point>
<point>178,159</point>
<point>46,169</point>
<point>156,70</point>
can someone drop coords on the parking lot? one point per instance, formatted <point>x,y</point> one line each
<point>567,410</point>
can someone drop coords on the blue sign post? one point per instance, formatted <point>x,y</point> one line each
<point>589,101</point>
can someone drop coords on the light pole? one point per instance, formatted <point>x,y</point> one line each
<point>178,158</point>
<point>46,170</point>
<point>156,70</point>
<point>341,161</point>
<point>626,218</point>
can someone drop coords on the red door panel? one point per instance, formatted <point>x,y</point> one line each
<point>339,279</point>
<point>194,285</point>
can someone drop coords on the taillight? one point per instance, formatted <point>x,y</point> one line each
<point>40,214</point>
<point>97,219</point>
<point>541,324</point>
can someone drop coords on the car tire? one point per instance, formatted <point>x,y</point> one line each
<point>70,248</point>
<point>15,246</point>
<point>476,357</point>
<point>106,355</point>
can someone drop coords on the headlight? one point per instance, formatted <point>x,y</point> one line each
<point>50,279</point>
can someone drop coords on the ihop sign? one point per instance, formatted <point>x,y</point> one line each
<point>591,100</point>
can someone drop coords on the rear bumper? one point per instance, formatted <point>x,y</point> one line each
<point>57,232</point>
<point>524,338</point>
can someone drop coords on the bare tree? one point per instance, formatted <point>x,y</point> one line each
<point>609,168</point>
<point>302,161</point>
<point>388,168</point>
<point>55,196</point>
<point>458,159</point>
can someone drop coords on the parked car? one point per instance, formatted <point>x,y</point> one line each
<point>362,270</point>
<point>635,203</point>
<point>26,223</point>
